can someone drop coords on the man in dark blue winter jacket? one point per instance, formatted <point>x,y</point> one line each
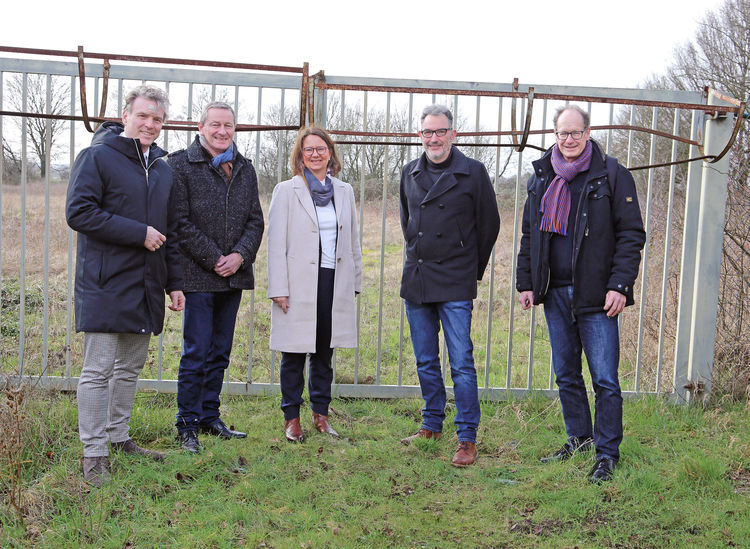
<point>127,257</point>
<point>579,255</point>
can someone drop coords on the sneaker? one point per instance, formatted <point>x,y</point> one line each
<point>96,471</point>
<point>189,441</point>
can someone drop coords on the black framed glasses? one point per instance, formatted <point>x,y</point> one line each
<point>439,132</point>
<point>308,151</point>
<point>577,134</point>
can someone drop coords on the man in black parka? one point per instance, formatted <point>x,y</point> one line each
<point>220,224</point>
<point>118,202</point>
<point>450,223</point>
<point>579,255</point>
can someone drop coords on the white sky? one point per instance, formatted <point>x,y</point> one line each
<point>590,43</point>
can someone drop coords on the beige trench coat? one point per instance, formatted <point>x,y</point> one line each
<point>293,257</point>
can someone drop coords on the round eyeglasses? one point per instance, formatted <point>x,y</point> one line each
<point>308,151</point>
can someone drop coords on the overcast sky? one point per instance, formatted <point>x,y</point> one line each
<point>591,43</point>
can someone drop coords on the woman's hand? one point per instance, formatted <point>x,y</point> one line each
<point>282,302</point>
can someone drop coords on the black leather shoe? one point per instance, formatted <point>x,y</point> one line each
<point>217,428</point>
<point>189,441</point>
<point>602,470</point>
<point>568,449</point>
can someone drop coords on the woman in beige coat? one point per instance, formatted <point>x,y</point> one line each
<point>314,273</point>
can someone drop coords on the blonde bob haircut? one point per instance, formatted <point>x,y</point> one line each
<point>298,166</point>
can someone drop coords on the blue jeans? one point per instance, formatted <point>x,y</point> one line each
<point>208,334</point>
<point>596,335</point>
<point>424,323</point>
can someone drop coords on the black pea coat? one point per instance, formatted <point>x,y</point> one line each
<point>215,218</point>
<point>449,229</point>
<point>113,196</point>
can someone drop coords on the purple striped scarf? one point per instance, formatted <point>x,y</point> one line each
<point>555,205</point>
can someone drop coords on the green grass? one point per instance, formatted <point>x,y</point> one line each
<point>683,481</point>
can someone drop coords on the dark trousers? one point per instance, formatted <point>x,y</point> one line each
<point>291,374</point>
<point>208,333</point>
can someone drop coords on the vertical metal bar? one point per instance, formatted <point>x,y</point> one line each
<point>644,261</point>
<point>213,92</point>
<point>166,132</point>
<point>694,184</point>
<point>491,305</point>
<point>667,244</point>
<point>386,160</point>
<point>363,167</point>
<point>514,261</point>
<point>96,96</point>
<point>709,254</point>
<point>69,290</point>
<point>190,102</point>
<point>22,268</point>
<point>280,139</point>
<point>119,97</point>
<point>2,171</point>
<point>47,167</point>
<point>402,308</point>
<point>609,132</point>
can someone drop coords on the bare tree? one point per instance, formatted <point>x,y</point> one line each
<point>36,102</point>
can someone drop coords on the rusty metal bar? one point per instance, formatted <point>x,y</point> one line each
<point>161,60</point>
<point>523,95</point>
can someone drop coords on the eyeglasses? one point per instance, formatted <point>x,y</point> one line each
<point>562,136</point>
<point>308,151</point>
<point>439,132</point>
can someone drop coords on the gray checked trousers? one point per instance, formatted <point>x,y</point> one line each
<point>106,388</point>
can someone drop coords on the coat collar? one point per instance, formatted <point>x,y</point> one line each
<point>598,166</point>
<point>196,152</point>
<point>459,166</point>
<point>303,194</point>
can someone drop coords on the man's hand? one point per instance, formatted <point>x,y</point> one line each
<point>282,302</point>
<point>154,239</point>
<point>526,299</point>
<point>614,303</point>
<point>178,300</point>
<point>228,265</point>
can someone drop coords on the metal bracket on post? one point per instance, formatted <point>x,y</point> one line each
<point>82,86</point>
<point>317,101</point>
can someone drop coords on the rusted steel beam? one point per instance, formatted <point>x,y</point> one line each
<point>522,95</point>
<point>162,60</point>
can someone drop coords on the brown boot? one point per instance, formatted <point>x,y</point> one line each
<point>422,433</point>
<point>321,424</point>
<point>96,471</point>
<point>293,430</point>
<point>465,455</point>
<point>130,447</point>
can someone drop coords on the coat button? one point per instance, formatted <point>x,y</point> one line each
<point>420,233</point>
<point>439,235</point>
<point>439,261</point>
<point>441,206</point>
<point>421,206</point>
<point>420,261</point>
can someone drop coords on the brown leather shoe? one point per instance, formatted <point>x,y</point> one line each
<point>130,447</point>
<point>293,430</point>
<point>96,471</point>
<point>422,433</point>
<point>321,424</point>
<point>465,455</point>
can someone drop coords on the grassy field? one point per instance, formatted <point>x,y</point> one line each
<point>683,481</point>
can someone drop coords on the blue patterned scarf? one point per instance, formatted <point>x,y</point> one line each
<point>226,156</point>
<point>555,206</point>
<point>321,195</point>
